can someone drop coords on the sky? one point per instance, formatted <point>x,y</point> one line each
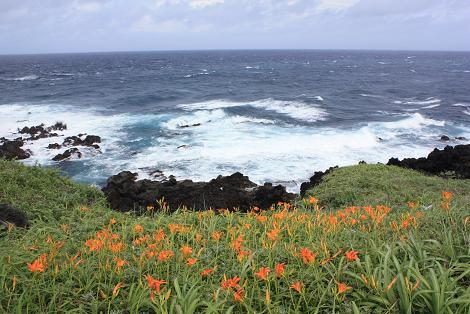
<point>49,26</point>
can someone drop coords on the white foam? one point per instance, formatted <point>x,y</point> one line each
<point>16,116</point>
<point>467,112</point>
<point>414,121</point>
<point>278,153</point>
<point>427,101</point>
<point>371,95</point>
<point>223,143</point>
<point>23,78</point>
<point>461,105</point>
<point>431,106</point>
<point>294,109</point>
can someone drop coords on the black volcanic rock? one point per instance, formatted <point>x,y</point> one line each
<point>12,215</point>
<point>89,141</point>
<point>124,193</point>
<point>54,146</point>
<point>40,131</point>
<point>69,153</point>
<point>314,180</point>
<point>450,159</point>
<point>12,150</point>
<point>445,138</point>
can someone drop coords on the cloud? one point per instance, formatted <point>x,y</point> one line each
<point>148,24</point>
<point>201,4</point>
<point>87,6</point>
<point>195,4</point>
<point>334,5</point>
<point>44,25</point>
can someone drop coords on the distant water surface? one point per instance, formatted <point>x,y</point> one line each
<point>273,115</point>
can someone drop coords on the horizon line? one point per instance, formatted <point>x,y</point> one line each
<point>228,50</point>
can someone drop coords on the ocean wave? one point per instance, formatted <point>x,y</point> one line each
<point>413,121</point>
<point>467,112</point>
<point>461,105</point>
<point>371,95</point>
<point>294,109</point>
<point>431,106</point>
<point>427,101</point>
<point>275,153</point>
<point>221,143</point>
<point>22,78</point>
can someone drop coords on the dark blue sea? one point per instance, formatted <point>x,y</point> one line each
<point>273,115</point>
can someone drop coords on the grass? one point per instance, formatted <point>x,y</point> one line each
<point>386,185</point>
<point>411,258</point>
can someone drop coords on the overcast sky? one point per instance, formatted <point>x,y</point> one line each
<point>38,26</point>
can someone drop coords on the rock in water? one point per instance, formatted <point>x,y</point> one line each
<point>90,141</point>
<point>11,215</point>
<point>12,150</point>
<point>69,153</point>
<point>450,159</point>
<point>125,193</point>
<point>54,146</point>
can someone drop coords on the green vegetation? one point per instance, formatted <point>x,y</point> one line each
<point>410,256</point>
<point>386,185</point>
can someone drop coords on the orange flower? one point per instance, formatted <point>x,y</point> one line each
<point>165,255</point>
<point>116,247</point>
<point>230,283</point>
<point>312,200</point>
<point>191,261</point>
<point>351,256</point>
<point>280,270</point>
<point>237,244</point>
<point>112,221</point>
<point>117,288</point>
<point>186,250</point>
<point>159,236</point>
<point>206,272</point>
<point>273,234</point>
<point>94,244</point>
<point>261,218</point>
<point>447,195</point>
<point>263,273</point>
<point>307,255</point>
<point>342,287</point>
<point>154,283</point>
<point>412,205</point>
<point>216,235</point>
<point>297,286</point>
<point>138,229</point>
<point>38,265</point>
<point>120,263</point>
<point>238,296</point>
<point>242,254</point>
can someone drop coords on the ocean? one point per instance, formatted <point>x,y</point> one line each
<point>275,116</point>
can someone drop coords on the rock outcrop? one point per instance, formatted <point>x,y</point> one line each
<point>455,160</point>
<point>68,154</point>
<point>13,150</point>
<point>314,180</point>
<point>41,131</point>
<point>10,215</point>
<point>89,140</point>
<point>125,193</point>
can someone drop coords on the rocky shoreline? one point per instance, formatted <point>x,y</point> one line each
<point>13,149</point>
<point>125,193</point>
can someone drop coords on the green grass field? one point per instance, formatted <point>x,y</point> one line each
<point>379,240</point>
